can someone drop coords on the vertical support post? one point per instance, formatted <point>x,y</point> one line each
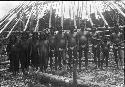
<point>62,10</point>
<point>70,13</point>
<point>90,17</point>
<point>50,19</point>
<point>75,73</point>
<point>78,15</point>
<point>86,14</point>
<point>74,16</point>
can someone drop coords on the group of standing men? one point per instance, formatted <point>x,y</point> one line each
<point>47,48</point>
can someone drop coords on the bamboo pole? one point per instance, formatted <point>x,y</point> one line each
<point>112,9</point>
<point>119,10</point>
<point>82,9</point>
<point>78,15</point>
<point>86,14</point>
<point>25,11</point>
<point>28,19</point>
<point>90,17</point>
<point>102,16</point>
<point>105,5</point>
<point>11,13</point>
<point>14,26</point>
<point>36,28</point>
<point>9,22</point>
<point>123,3</point>
<point>12,29</point>
<point>102,28</point>
<point>70,13</point>
<point>50,19</point>
<point>74,16</point>
<point>62,11</point>
<point>12,10</point>
<point>7,18</point>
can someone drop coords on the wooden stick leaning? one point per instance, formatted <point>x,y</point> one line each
<point>101,16</point>
<point>16,22</point>
<point>11,13</point>
<point>8,14</point>
<point>36,28</point>
<point>9,22</point>
<point>37,24</point>
<point>119,10</point>
<point>28,18</point>
<point>14,27</point>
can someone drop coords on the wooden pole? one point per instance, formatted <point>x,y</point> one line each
<point>90,17</point>
<point>119,10</point>
<point>28,19</point>
<point>99,29</point>
<point>50,19</point>
<point>62,18</point>
<point>70,14</point>
<point>74,16</point>
<point>78,15</point>
<point>43,9</point>
<point>9,22</point>
<point>7,18</point>
<point>12,28</point>
<point>102,16</point>
<point>15,25</point>
<point>36,28</point>
<point>74,74</point>
<point>86,14</point>
<point>24,13</point>
<point>11,11</point>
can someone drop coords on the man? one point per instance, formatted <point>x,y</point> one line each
<point>13,54</point>
<point>105,50</point>
<point>79,42</point>
<point>94,49</point>
<point>61,45</point>
<point>72,47</point>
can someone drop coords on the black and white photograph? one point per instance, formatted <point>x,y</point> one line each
<point>62,43</point>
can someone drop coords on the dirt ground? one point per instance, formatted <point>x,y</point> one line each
<point>110,77</point>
